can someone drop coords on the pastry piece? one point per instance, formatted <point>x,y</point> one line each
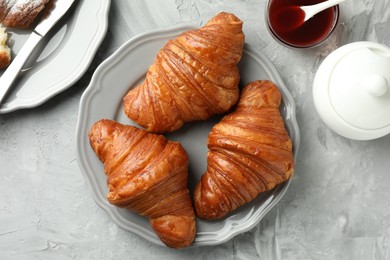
<point>147,174</point>
<point>193,77</point>
<point>20,13</point>
<point>250,152</point>
<point>5,51</point>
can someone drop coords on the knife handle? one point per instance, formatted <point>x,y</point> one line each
<point>17,64</point>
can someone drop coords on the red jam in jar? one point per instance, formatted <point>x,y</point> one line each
<point>282,20</point>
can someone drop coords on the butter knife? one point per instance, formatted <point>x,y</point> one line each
<point>58,9</point>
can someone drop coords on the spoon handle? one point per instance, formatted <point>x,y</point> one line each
<point>312,10</point>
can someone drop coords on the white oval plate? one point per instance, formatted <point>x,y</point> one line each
<point>61,58</point>
<point>124,70</point>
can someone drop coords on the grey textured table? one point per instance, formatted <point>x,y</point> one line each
<point>338,206</point>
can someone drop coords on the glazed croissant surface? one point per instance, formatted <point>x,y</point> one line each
<point>193,77</point>
<point>147,174</point>
<point>250,152</point>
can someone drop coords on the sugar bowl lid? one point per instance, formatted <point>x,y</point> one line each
<point>351,90</point>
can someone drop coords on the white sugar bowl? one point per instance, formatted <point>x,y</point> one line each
<point>351,90</point>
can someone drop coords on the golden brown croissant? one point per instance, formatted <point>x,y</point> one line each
<point>193,77</point>
<point>249,152</point>
<point>5,51</point>
<point>20,13</point>
<point>147,174</point>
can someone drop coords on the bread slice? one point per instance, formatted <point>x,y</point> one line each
<point>5,51</point>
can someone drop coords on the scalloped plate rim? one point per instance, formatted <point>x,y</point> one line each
<point>82,129</point>
<point>72,77</point>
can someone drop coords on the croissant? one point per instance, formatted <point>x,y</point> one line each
<point>147,174</point>
<point>20,13</point>
<point>193,77</point>
<point>250,152</point>
<point>5,51</point>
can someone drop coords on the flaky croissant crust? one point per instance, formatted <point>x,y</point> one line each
<point>20,14</point>
<point>147,174</point>
<point>250,152</point>
<point>193,77</point>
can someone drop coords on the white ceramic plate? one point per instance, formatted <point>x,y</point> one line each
<point>124,70</point>
<point>61,58</point>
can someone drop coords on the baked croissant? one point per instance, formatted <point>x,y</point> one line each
<point>5,51</point>
<point>193,77</point>
<point>250,152</point>
<point>20,13</point>
<point>147,174</point>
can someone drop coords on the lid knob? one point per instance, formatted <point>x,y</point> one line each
<point>375,85</point>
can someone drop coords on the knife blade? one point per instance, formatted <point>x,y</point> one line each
<point>59,9</point>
